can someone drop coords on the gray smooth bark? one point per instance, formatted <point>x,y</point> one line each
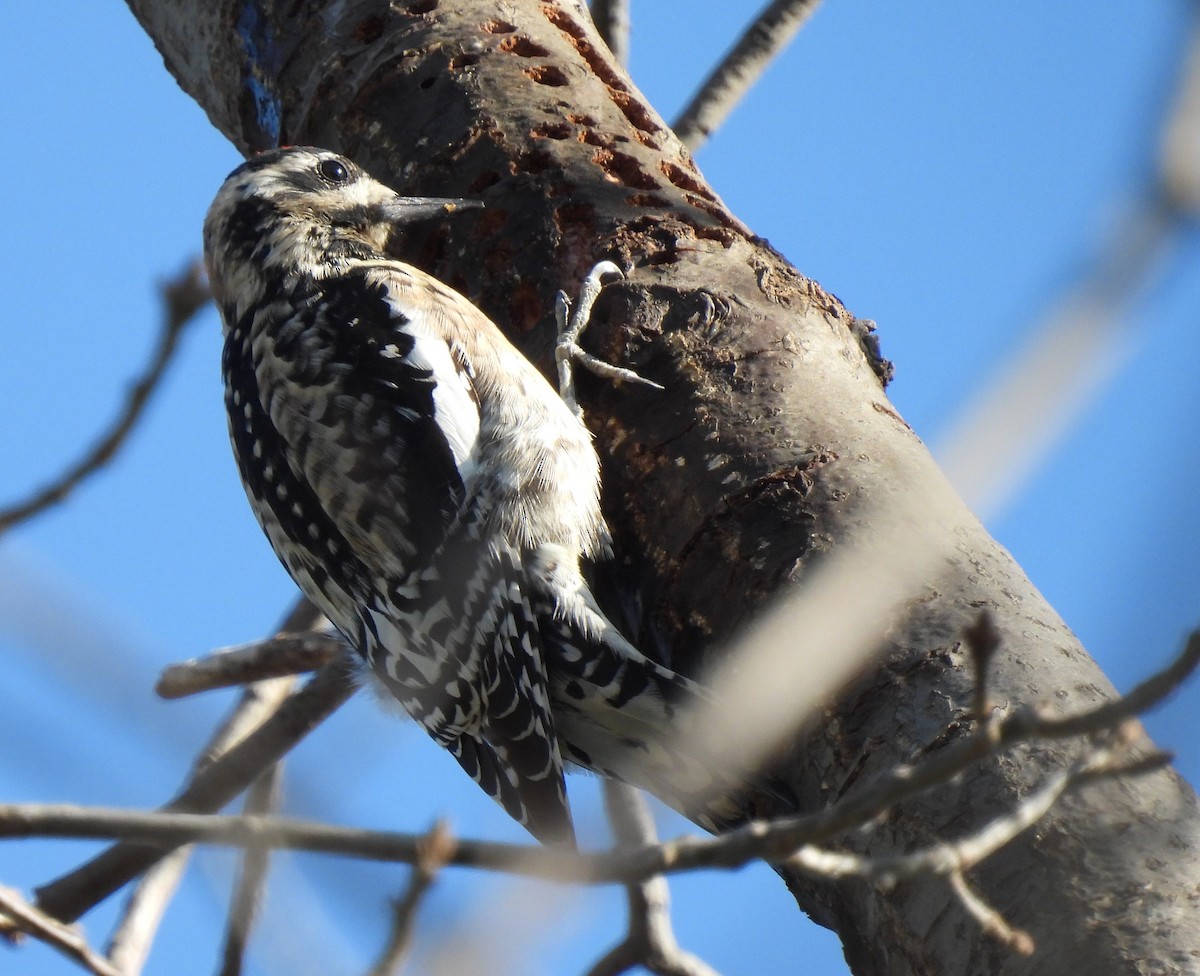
<point>520,103</point>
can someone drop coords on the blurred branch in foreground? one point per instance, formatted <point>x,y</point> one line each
<point>611,18</point>
<point>790,840</point>
<point>730,80</point>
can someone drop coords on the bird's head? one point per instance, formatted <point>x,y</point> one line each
<point>302,210</point>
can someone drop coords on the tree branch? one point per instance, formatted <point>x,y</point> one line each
<point>262,799</point>
<point>129,945</point>
<point>729,82</point>
<point>16,913</point>
<point>650,941</point>
<point>612,21</point>
<point>278,656</point>
<point>183,297</point>
<point>433,851</point>
<point>212,785</point>
<point>776,842</point>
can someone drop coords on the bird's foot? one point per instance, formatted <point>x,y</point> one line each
<point>571,323</point>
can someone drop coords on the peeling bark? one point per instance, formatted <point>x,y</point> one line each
<point>773,448</point>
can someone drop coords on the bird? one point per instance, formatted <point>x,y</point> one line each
<point>430,491</point>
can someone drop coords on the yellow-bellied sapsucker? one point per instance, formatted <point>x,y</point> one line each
<point>428,489</point>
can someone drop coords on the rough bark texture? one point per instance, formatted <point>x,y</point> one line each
<point>771,448</point>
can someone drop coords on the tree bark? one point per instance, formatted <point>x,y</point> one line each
<point>773,448</point>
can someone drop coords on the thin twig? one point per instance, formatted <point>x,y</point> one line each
<point>740,69</point>
<point>183,297</point>
<point>434,850</point>
<point>129,945</point>
<point>1139,699</point>
<point>774,841</point>
<point>983,640</point>
<point>212,787</point>
<point>262,798</point>
<point>155,830</point>
<point>965,853</point>
<point>283,654</point>
<point>16,913</point>
<point>611,18</point>
<point>134,933</point>
<point>990,920</point>
<point>649,941</point>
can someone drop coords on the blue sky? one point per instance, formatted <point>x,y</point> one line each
<point>947,169</point>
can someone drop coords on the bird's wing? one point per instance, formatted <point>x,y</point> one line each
<point>368,395</point>
<point>376,414</point>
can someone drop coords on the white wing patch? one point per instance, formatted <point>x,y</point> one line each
<point>456,407</point>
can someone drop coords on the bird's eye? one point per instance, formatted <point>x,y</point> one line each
<point>334,171</point>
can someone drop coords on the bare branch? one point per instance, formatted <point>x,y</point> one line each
<point>433,852</point>
<point>961,855</point>
<point>990,920</point>
<point>982,640</point>
<point>210,788</point>
<point>740,69</point>
<point>149,834</point>
<point>129,945</point>
<point>67,939</point>
<point>283,654</point>
<point>263,798</point>
<point>611,18</point>
<point>1179,168</point>
<point>1141,698</point>
<point>183,297</point>
<point>650,941</point>
<point>773,842</point>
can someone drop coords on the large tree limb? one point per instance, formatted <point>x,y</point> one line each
<point>773,447</point>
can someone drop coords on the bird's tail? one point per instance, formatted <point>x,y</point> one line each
<point>621,714</point>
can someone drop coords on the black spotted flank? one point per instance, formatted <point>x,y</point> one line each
<point>273,485</point>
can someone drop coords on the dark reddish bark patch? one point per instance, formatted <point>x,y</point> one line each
<point>525,306</point>
<point>368,30</point>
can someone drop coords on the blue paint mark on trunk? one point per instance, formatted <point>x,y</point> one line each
<point>262,64</point>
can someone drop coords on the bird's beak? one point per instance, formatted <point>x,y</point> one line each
<point>406,210</point>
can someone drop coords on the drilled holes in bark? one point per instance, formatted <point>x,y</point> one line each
<point>635,111</point>
<point>497,27</point>
<point>463,61</point>
<point>624,169</point>
<point>574,215</point>
<point>368,30</point>
<point>646,200</point>
<point>629,105</point>
<point>721,235</point>
<point>537,161</point>
<point>482,182</point>
<point>551,130</point>
<point>524,306</point>
<point>523,47</point>
<point>684,180</point>
<point>712,209</point>
<point>546,74</point>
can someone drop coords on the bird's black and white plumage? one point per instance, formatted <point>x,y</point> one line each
<point>427,489</point>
